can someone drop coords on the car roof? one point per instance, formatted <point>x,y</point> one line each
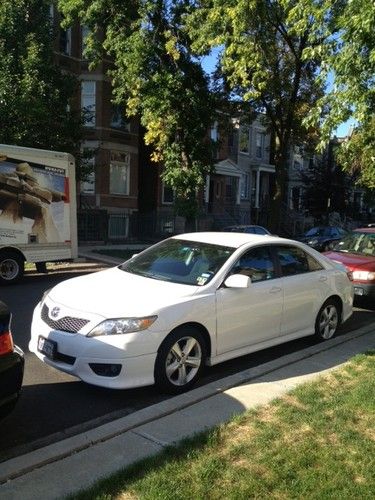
<point>230,239</point>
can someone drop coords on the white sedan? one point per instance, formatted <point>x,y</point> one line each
<point>190,300</point>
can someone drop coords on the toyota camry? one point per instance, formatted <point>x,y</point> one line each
<point>191,300</point>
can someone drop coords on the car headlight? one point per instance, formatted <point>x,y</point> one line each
<point>119,326</point>
<point>364,275</point>
<point>313,242</point>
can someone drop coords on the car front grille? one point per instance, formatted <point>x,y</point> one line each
<point>65,324</point>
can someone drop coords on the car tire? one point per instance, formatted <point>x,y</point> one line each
<point>11,268</point>
<point>327,320</point>
<point>180,360</point>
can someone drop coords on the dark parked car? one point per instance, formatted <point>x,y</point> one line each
<point>357,253</point>
<point>11,364</point>
<point>251,229</point>
<point>322,238</point>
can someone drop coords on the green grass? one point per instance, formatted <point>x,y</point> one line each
<point>317,442</point>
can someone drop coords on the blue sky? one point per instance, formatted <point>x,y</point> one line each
<point>209,63</point>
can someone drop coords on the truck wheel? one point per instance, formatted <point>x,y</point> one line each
<point>180,360</point>
<point>11,268</point>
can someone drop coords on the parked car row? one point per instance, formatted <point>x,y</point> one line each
<point>192,300</point>
<point>322,238</point>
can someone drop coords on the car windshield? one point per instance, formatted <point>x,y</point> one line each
<point>357,242</point>
<point>318,231</point>
<point>179,261</point>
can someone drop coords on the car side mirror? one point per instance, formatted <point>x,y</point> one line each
<point>237,281</point>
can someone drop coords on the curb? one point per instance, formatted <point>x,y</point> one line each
<point>23,464</point>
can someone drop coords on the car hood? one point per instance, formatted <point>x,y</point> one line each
<point>114,293</point>
<point>352,261</point>
<point>304,239</point>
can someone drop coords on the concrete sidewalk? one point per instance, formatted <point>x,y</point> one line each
<point>75,463</point>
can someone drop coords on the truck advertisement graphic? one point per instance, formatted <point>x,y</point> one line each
<point>38,211</point>
<point>32,199</point>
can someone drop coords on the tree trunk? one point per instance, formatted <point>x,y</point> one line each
<point>278,198</point>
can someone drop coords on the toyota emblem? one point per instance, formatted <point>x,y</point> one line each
<point>55,312</point>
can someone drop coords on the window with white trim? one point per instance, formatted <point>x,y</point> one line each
<point>243,143</point>
<point>259,144</point>
<point>119,173</point>
<point>245,186</point>
<point>88,102</point>
<point>214,133</point>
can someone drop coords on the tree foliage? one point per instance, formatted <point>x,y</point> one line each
<point>348,58</point>
<point>34,93</point>
<point>326,186</point>
<point>357,154</point>
<point>262,62</point>
<point>157,77</point>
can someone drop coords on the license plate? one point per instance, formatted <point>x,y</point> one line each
<point>47,347</point>
<point>358,291</point>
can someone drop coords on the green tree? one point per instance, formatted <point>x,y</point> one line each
<point>263,43</point>
<point>157,77</point>
<point>35,95</point>
<point>326,186</point>
<point>357,154</point>
<point>347,50</point>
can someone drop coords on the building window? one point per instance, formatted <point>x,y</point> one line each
<point>119,173</point>
<point>88,102</point>
<point>259,144</point>
<point>65,41</point>
<point>85,31</point>
<point>118,119</point>
<point>245,186</point>
<point>214,134</point>
<point>295,198</point>
<point>168,195</point>
<point>244,140</point>
<point>88,186</point>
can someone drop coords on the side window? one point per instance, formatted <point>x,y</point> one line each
<point>257,263</point>
<point>314,265</point>
<point>294,260</point>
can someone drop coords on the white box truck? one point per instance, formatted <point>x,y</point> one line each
<point>38,213</point>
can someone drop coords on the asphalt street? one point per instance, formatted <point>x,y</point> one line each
<point>54,405</point>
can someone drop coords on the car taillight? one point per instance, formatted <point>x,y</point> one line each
<point>6,343</point>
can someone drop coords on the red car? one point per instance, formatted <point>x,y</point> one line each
<point>357,253</point>
<point>11,364</point>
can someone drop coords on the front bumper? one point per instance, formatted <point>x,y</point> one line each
<point>11,376</point>
<point>116,362</point>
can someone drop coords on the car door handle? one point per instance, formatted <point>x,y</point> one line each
<point>323,278</point>
<point>275,289</point>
